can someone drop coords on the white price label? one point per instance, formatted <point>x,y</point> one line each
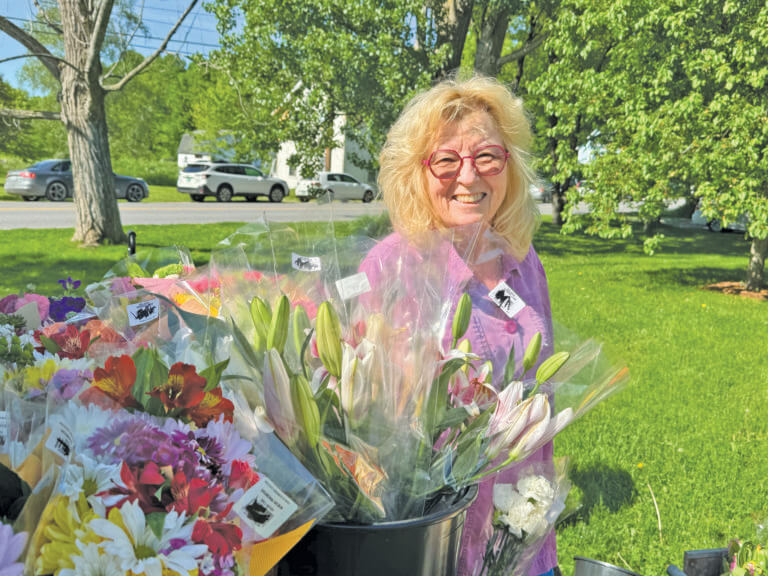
<point>62,439</point>
<point>354,285</point>
<point>5,431</point>
<point>306,263</point>
<point>264,507</point>
<point>143,312</point>
<point>506,299</point>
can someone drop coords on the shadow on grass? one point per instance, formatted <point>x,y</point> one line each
<point>602,485</point>
<point>697,277</point>
<point>677,241</point>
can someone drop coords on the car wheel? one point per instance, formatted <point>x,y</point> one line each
<point>135,193</point>
<point>368,196</point>
<point>30,198</point>
<point>224,193</point>
<point>303,199</point>
<point>715,225</point>
<point>197,197</point>
<point>56,192</point>
<point>276,194</point>
<point>251,198</point>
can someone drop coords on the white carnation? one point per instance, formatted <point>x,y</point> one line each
<point>537,488</point>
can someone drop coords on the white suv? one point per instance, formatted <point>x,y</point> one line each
<point>227,180</point>
<point>339,186</point>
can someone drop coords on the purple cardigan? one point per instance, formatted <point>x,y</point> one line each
<point>492,335</point>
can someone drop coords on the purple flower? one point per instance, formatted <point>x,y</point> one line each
<point>66,383</point>
<point>11,546</point>
<point>221,444</point>
<point>8,304</point>
<point>59,308</point>
<point>13,302</point>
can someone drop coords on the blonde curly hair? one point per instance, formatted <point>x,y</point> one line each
<point>402,174</point>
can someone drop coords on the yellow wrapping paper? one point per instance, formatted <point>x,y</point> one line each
<point>264,555</point>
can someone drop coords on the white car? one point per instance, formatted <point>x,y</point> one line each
<point>338,185</point>
<point>226,180</point>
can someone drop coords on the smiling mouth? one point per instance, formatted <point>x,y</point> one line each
<point>469,199</point>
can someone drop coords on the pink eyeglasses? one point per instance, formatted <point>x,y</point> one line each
<point>447,164</point>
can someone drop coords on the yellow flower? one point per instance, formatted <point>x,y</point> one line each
<point>60,527</point>
<point>38,376</point>
<point>640,465</point>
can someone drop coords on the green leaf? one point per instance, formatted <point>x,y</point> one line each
<point>213,373</point>
<point>49,344</point>
<point>155,521</point>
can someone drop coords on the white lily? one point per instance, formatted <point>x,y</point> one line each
<point>277,397</point>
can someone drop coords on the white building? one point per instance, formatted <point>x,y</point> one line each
<point>340,159</point>
<point>193,149</point>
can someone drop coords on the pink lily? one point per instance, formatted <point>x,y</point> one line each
<point>277,397</point>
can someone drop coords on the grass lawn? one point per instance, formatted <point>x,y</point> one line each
<point>690,429</point>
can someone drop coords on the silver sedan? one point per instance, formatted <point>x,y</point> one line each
<point>52,179</point>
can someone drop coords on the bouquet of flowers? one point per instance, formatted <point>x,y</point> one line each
<point>384,408</point>
<point>524,513</point>
<point>147,495</point>
<point>747,558</point>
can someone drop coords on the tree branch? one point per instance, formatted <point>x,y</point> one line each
<point>30,114</point>
<point>148,60</point>
<point>125,45</point>
<point>39,56</point>
<point>31,44</point>
<point>103,11</point>
<point>55,27</point>
<point>524,50</point>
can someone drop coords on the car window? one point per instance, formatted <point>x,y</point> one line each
<point>332,178</point>
<point>192,168</point>
<point>63,167</point>
<point>345,178</point>
<point>252,172</point>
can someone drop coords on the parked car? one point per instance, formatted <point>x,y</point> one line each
<point>338,185</point>
<point>226,180</point>
<point>715,225</point>
<point>52,179</point>
<point>541,191</point>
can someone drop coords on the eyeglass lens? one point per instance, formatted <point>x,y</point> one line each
<point>487,161</point>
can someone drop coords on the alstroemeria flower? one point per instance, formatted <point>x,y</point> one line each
<point>211,407</point>
<point>222,538</point>
<point>115,382</point>
<point>242,476</point>
<point>184,388</point>
<point>135,486</point>
<point>72,342</point>
<point>191,495</point>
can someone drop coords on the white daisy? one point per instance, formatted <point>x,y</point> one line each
<point>87,476</point>
<point>92,561</point>
<point>128,538</point>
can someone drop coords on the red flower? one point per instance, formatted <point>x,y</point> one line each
<point>242,475</point>
<point>137,486</point>
<point>221,538</point>
<point>212,405</point>
<point>184,388</point>
<point>191,496</point>
<point>71,342</point>
<point>113,382</point>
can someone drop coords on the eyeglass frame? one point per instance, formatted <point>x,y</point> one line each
<point>428,161</point>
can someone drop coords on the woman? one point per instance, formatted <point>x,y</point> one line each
<point>457,157</point>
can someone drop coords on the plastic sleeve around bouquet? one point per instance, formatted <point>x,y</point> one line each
<point>22,427</point>
<point>526,507</point>
<point>207,498</point>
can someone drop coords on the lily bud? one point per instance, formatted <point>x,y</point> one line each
<point>308,415</point>
<point>328,331</point>
<point>301,325</point>
<point>532,352</point>
<point>461,317</point>
<point>262,318</point>
<point>278,328</point>
<point>550,366</point>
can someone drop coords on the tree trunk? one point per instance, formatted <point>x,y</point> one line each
<point>82,110</point>
<point>453,30</point>
<point>558,203</point>
<point>490,40</point>
<point>756,269</point>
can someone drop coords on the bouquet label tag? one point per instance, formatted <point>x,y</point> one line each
<point>143,312</point>
<point>62,439</point>
<point>264,507</point>
<point>306,263</point>
<point>5,431</point>
<point>31,315</point>
<point>354,285</point>
<point>506,299</point>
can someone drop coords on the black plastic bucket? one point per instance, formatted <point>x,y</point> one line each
<point>423,546</point>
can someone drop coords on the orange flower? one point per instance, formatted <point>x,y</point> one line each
<point>210,408</point>
<point>113,382</point>
<point>184,389</point>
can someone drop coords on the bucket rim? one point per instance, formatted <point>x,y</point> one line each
<point>433,518</point>
<point>606,565</point>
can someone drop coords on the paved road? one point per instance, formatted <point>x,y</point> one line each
<point>62,215</point>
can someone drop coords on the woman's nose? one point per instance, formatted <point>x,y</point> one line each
<point>467,173</point>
